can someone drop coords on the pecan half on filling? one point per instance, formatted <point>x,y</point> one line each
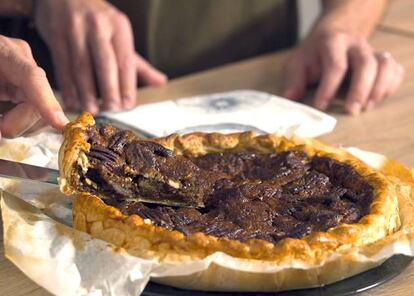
<point>245,195</point>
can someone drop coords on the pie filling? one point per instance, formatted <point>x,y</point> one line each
<point>246,195</point>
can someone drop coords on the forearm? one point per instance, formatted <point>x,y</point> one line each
<point>355,16</point>
<point>16,7</point>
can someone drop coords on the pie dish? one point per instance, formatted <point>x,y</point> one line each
<point>265,200</point>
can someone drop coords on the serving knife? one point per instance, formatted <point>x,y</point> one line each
<point>17,170</point>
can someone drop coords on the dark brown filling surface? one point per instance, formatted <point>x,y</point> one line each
<point>246,195</point>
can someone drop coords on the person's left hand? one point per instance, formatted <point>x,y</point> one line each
<point>326,56</point>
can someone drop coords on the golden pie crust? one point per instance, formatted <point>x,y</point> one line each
<point>141,238</point>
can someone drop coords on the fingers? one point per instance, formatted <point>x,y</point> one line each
<point>326,56</point>
<point>63,72</point>
<point>125,54</point>
<point>105,64</point>
<point>389,77</point>
<point>399,74</point>
<point>18,120</point>
<point>92,40</point>
<point>364,71</point>
<point>382,82</point>
<point>334,66</point>
<point>148,74</point>
<point>295,78</point>
<point>82,66</point>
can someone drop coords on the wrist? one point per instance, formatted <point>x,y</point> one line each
<point>358,18</point>
<point>328,24</point>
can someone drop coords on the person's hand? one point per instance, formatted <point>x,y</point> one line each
<point>25,84</point>
<point>92,40</point>
<point>325,58</point>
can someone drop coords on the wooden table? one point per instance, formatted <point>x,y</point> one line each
<point>399,18</point>
<point>388,130</point>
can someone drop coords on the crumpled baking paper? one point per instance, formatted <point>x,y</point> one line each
<point>233,111</point>
<point>38,237</point>
<point>39,149</point>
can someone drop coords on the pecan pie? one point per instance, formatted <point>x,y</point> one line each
<point>265,198</point>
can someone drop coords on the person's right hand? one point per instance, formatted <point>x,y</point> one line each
<point>25,84</point>
<point>92,40</point>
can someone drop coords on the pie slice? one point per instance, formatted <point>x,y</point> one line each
<point>267,198</point>
<point>120,167</point>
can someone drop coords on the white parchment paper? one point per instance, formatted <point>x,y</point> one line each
<point>232,111</point>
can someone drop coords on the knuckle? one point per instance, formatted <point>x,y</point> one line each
<point>361,42</point>
<point>339,65</point>
<point>96,20</point>
<point>34,72</point>
<point>24,46</point>
<point>385,62</point>
<point>335,38</point>
<point>122,19</point>
<point>365,58</point>
<point>336,61</point>
<point>75,23</point>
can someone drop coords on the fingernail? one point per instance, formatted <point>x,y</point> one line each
<point>321,105</point>
<point>354,108</point>
<point>291,94</point>
<point>92,108</point>
<point>61,118</point>
<point>112,106</point>
<point>128,102</point>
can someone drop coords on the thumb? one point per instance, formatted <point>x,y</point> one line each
<point>18,68</point>
<point>38,91</point>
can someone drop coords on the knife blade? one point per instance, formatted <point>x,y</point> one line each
<point>17,170</point>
